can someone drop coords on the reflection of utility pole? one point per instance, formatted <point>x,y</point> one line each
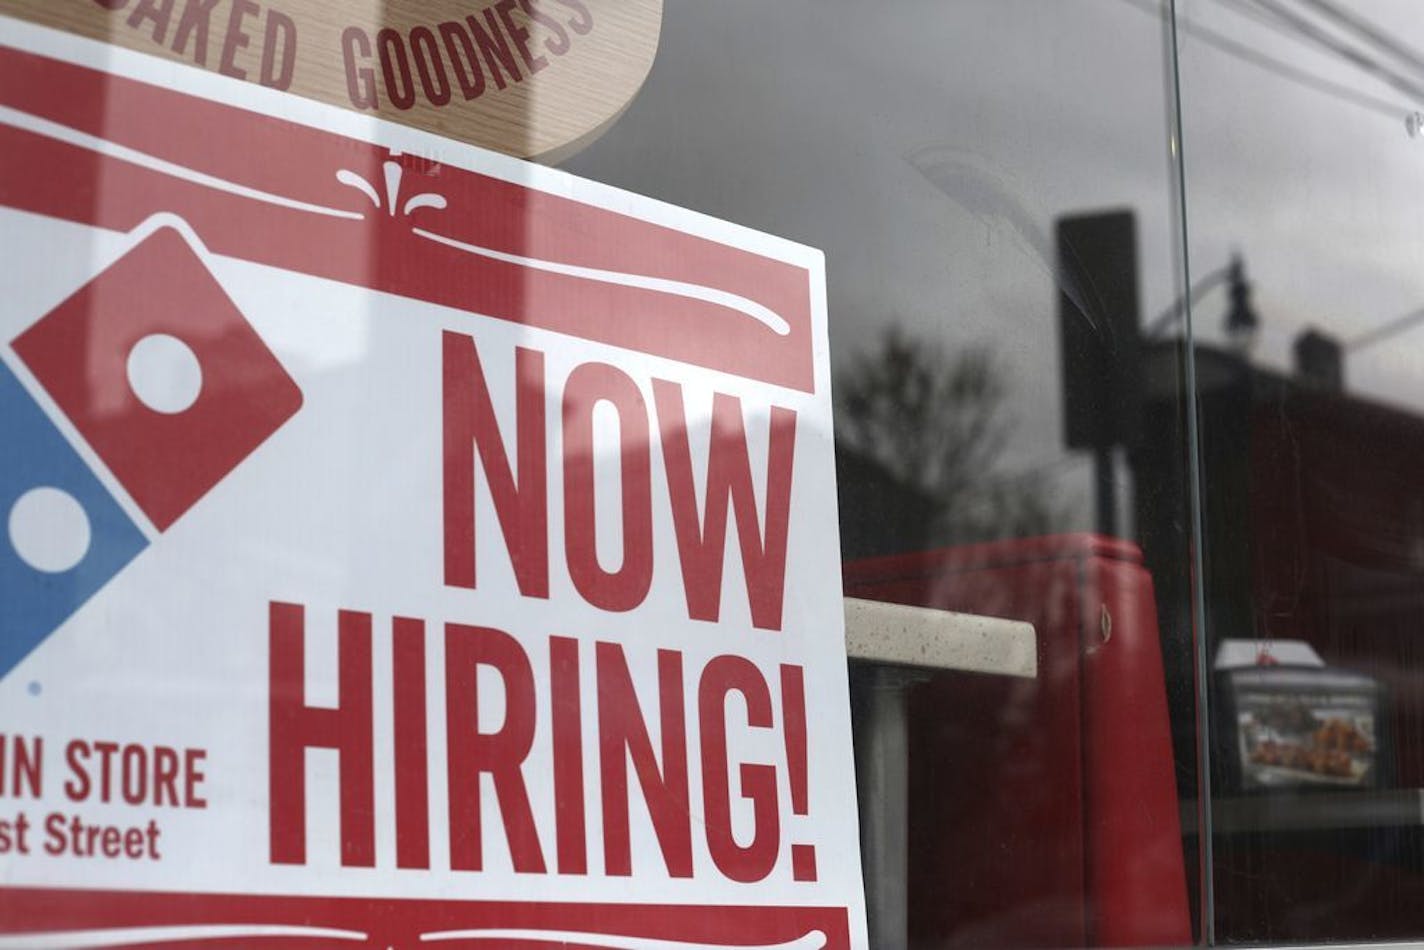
<point>1398,325</point>
<point>1242,324</point>
<point>1168,318</point>
<point>1099,340</point>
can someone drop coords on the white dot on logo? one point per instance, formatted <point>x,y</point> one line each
<point>49,529</point>
<point>164,373</point>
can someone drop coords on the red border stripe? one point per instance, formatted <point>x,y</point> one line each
<point>50,177</point>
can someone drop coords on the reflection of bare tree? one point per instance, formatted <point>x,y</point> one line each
<point>932,426</point>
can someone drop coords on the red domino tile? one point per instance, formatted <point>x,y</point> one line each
<point>79,352</point>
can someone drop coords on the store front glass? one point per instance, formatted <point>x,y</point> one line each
<point>996,188</point>
<point>1299,154</point>
<point>1116,401</point>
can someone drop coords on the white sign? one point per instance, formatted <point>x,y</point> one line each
<point>401,544</point>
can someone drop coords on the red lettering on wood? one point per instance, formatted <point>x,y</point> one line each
<point>157,12</point>
<point>277,71</point>
<point>360,80</point>
<point>464,62</point>
<point>520,35</point>
<point>395,67</point>
<point>558,43</point>
<point>236,39</point>
<point>193,24</point>
<point>494,48</point>
<point>429,66</point>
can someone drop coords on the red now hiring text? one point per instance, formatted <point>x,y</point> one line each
<point>544,676</point>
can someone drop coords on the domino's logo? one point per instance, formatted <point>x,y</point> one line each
<point>163,380</point>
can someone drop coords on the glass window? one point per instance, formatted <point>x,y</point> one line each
<point>994,185</point>
<point>1304,236</point>
<point>1126,342</point>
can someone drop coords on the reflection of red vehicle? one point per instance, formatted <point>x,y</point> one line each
<point>1047,806</point>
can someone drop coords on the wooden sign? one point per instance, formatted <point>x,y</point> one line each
<point>531,78</point>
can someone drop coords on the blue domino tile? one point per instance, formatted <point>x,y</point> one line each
<point>34,454</point>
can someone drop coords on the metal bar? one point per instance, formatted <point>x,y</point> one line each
<point>882,774</point>
<point>1312,811</point>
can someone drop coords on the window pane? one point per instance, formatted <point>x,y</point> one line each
<point>993,184</point>
<point>1303,162</point>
